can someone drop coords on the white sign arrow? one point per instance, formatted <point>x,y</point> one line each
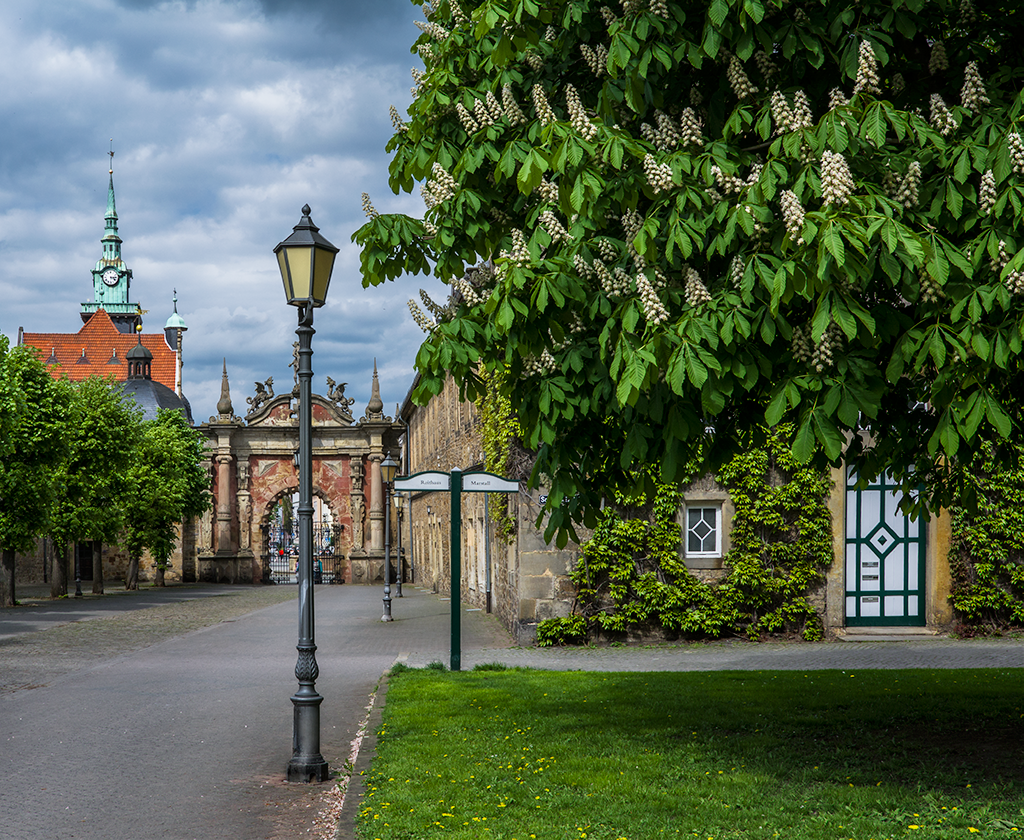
<point>482,482</point>
<point>424,481</point>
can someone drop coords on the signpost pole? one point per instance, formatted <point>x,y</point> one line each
<point>456,569</point>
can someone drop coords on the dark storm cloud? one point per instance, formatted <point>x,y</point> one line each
<point>226,117</point>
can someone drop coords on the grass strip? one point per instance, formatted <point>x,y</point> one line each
<point>818,755</point>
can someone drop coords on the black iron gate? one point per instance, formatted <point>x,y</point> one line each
<point>281,554</point>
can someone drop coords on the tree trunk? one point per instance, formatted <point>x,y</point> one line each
<point>59,570</point>
<point>7,578</point>
<point>132,581</point>
<point>159,579</point>
<point>97,567</point>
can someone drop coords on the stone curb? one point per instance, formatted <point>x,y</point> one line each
<point>367,753</point>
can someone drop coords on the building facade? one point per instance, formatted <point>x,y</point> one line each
<point>888,572</point>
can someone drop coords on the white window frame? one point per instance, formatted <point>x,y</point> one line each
<point>718,528</point>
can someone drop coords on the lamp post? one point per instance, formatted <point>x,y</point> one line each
<point>306,260</point>
<point>399,501</point>
<point>388,471</point>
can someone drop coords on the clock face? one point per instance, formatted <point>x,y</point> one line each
<point>110,277</point>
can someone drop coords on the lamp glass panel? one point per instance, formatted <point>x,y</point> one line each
<point>299,260</point>
<point>322,269</point>
<point>282,262</point>
<point>388,471</point>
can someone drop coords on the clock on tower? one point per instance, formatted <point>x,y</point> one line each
<point>111,278</point>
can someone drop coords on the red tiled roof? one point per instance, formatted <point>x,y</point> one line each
<point>98,348</point>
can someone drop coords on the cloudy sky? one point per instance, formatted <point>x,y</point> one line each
<point>226,117</point>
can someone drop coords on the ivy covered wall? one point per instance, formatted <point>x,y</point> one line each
<point>631,576</point>
<point>987,549</point>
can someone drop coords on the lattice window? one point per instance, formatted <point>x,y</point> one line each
<point>704,531</point>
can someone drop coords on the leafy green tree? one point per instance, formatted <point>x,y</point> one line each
<point>32,444</point>
<point>690,218</point>
<point>167,484</point>
<point>102,429</point>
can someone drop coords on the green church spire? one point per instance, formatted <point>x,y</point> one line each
<point>111,278</point>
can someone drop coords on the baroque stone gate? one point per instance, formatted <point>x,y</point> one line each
<point>252,466</point>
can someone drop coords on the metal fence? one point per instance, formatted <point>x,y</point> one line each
<point>281,554</point>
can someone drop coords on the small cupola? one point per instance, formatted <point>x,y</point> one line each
<point>140,360</point>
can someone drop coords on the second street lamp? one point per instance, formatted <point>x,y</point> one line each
<point>399,501</point>
<point>306,260</point>
<point>388,471</point>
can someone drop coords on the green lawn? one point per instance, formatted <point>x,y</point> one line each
<point>537,755</point>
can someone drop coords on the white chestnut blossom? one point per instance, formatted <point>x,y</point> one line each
<point>1015,282</point>
<point>534,60</point>
<point>422,321</point>
<point>941,118</point>
<point>831,340</point>
<point>867,70</point>
<point>577,116</point>
<point>466,118</point>
<point>737,76</point>
<point>931,291</point>
<point>1015,147</point>
<point>767,67</point>
<point>793,215</point>
<point>481,114</point>
<point>520,253</point>
<point>801,345</point>
<point>968,14</point>
<point>540,102</point>
<point>539,365</point>
<point>458,15</point>
<point>654,312</point>
<point>908,188</point>
<point>659,175</point>
<point>659,7</point>
<point>898,83</point>
<point>396,120</point>
<point>730,184</point>
<point>550,223</point>
<point>442,186</point>
<point>434,30</point>
<point>987,195</point>
<point>368,207</point>
<point>938,61</point>
<point>973,94</point>
<point>493,106</point>
<point>596,58</point>
<point>608,15</point>
<point>548,191</point>
<point>837,99</point>
<point>690,128</point>
<point>999,261</point>
<point>512,110</point>
<point>608,252</point>
<point>583,268</point>
<point>836,181</point>
<point>695,291</point>
<point>736,271</point>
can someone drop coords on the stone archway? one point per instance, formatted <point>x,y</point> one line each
<point>252,467</point>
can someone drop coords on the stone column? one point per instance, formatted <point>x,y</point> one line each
<point>224,504</point>
<point>356,468</point>
<point>376,503</point>
<point>205,537</point>
<point>244,507</point>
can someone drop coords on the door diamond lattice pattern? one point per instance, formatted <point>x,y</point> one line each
<point>885,555</point>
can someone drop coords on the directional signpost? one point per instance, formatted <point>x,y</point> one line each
<point>457,483</point>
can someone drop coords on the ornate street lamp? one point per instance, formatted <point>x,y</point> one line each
<point>399,501</point>
<point>306,260</point>
<point>388,471</point>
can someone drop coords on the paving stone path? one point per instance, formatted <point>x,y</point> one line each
<point>165,715</point>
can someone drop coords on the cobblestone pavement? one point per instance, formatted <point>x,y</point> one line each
<point>79,635</point>
<point>173,721</point>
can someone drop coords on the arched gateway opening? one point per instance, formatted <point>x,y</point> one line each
<point>252,467</point>
<point>279,555</point>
